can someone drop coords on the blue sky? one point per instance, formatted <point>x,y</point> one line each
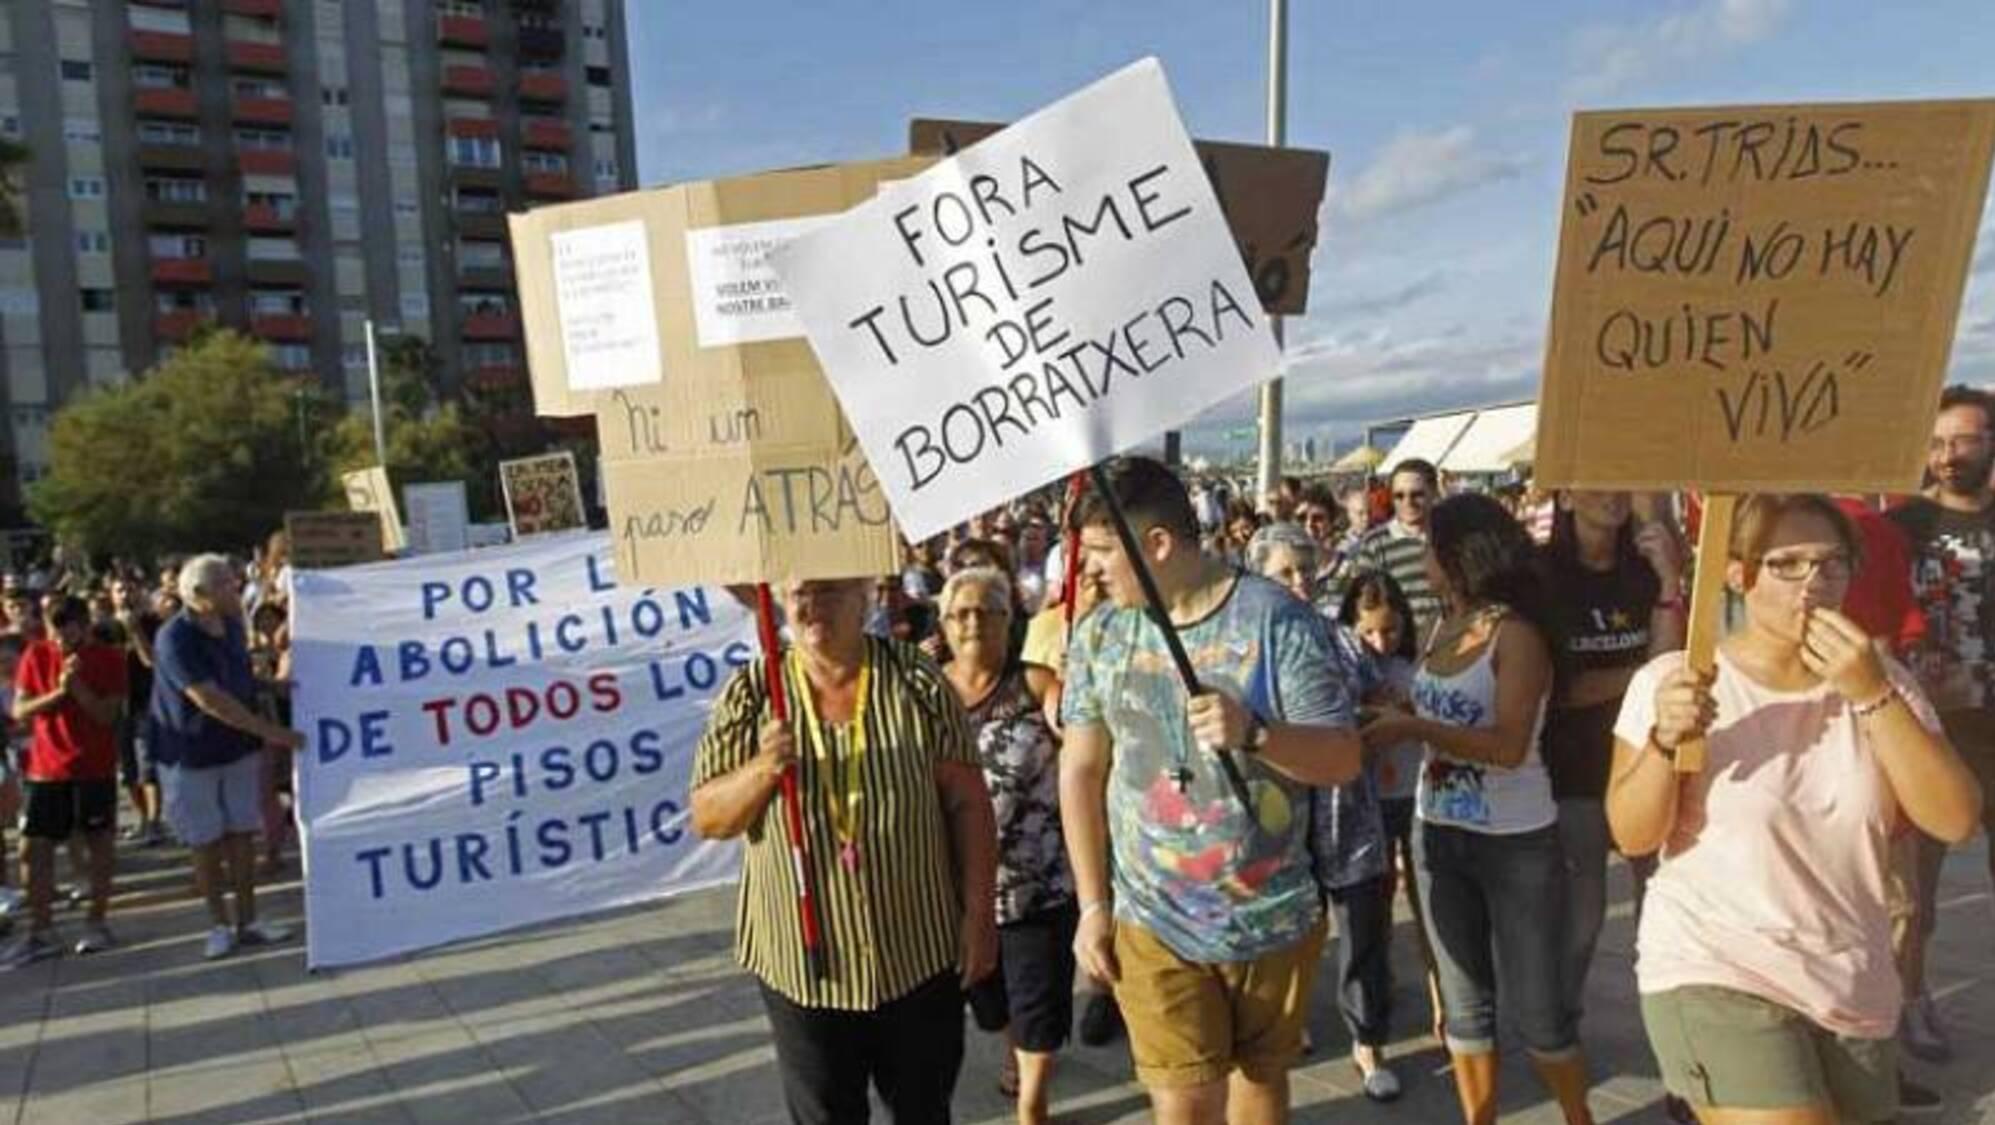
<point>1446,124</point>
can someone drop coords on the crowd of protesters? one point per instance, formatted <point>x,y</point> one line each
<point>1476,697</point>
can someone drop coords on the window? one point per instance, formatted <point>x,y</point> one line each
<point>544,161</point>
<point>594,31</point>
<point>475,152</point>
<point>339,146</point>
<point>405,208</point>
<point>93,242</point>
<point>283,204</point>
<point>598,75</point>
<point>97,300</point>
<point>20,301</point>
<point>159,76</point>
<point>258,88</point>
<point>177,247</point>
<point>272,250</point>
<point>410,255</point>
<point>276,302</point>
<point>175,189</point>
<point>415,305</point>
<point>168,133</point>
<point>10,125</point>
<point>75,70</point>
<point>86,187</point>
<point>184,300</point>
<point>267,139</point>
<point>144,18</point>
<point>459,8</point>
<point>81,129</point>
<point>490,354</point>
<point>606,169</point>
<point>353,356</point>
<point>333,95</point>
<point>481,255</point>
<point>485,303</point>
<point>291,357</point>
<point>474,202</point>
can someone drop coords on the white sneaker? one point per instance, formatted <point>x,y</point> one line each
<point>221,942</point>
<point>263,933</point>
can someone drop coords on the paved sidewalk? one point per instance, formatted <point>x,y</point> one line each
<point>642,1016</point>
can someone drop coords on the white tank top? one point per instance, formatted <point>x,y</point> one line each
<point>1474,795</point>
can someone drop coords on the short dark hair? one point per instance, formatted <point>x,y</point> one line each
<point>1423,467</point>
<point>1319,495</point>
<point>1150,494</point>
<point>68,610</point>
<point>1487,556</point>
<point>1962,395</point>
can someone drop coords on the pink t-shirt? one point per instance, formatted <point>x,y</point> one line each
<point>1773,879</point>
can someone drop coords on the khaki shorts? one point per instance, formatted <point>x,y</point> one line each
<point>1191,1024</point>
<point>1725,1049</point>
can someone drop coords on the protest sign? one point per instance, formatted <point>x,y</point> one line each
<point>1270,196</point>
<point>1754,298</point>
<point>1053,295</point>
<point>439,517</point>
<point>367,490</point>
<point>543,494</point>
<point>328,539</point>
<point>735,465</point>
<point>497,738</point>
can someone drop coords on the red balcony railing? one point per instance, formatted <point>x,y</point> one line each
<point>164,101</point>
<point>267,58</point>
<point>541,86</point>
<point>267,161</point>
<point>263,111</point>
<point>267,9</point>
<point>496,376</point>
<point>550,185</point>
<point>491,326</point>
<point>161,46</point>
<point>462,31</point>
<point>181,271</point>
<point>178,324</point>
<point>281,326</point>
<point>471,81</point>
<point>263,217</point>
<point>546,134</point>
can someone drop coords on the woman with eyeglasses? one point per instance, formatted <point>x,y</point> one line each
<point>1764,958</point>
<point>1031,996</point>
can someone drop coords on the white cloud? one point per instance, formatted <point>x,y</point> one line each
<point>1416,169</point>
<point>1391,300</point>
<point>1612,57</point>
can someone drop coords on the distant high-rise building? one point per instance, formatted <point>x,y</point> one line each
<point>291,168</point>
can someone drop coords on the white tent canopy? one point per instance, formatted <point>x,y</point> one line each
<point>1429,439</point>
<point>1491,439</point>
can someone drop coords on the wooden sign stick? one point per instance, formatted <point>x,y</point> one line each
<point>1707,602</point>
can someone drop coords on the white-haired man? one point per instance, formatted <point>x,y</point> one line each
<point>207,738</point>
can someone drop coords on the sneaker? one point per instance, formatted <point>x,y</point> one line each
<point>30,948</point>
<point>221,942</point>
<point>263,933</point>
<point>96,939</point>
<point>1921,1033</point>
<point>11,900</point>
<point>1379,1083</point>
<point>1101,1020</point>
<point>1915,1100</point>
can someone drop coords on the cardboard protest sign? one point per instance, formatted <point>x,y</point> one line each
<point>1755,298</point>
<point>736,465</point>
<point>1059,292</point>
<point>439,517</point>
<point>367,490</point>
<point>328,539</point>
<point>498,738</point>
<point>543,494</point>
<point>1271,197</point>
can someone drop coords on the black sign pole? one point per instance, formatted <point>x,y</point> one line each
<point>1153,604</point>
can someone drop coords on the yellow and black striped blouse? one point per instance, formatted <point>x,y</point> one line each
<point>891,923</point>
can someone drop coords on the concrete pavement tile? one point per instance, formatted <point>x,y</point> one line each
<point>446,1076</point>
<point>557,1061</point>
<point>344,1083</point>
<point>101,1103</point>
<point>255,1091</point>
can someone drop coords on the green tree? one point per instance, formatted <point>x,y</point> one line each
<point>202,453</point>
<point>427,439</point>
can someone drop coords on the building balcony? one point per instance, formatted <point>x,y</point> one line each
<point>290,272</point>
<point>496,376</point>
<point>543,86</point>
<point>481,224</point>
<point>161,46</point>
<point>462,31</point>
<point>495,275</point>
<point>176,158</point>
<point>281,326</point>
<point>470,81</point>
<point>546,134</point>
<point>176,214</point>
<point>178,324</point>
<point>263,58</point>
<point>491,326</point>
<point>476,175</point>
<point>267,161</point>
<point>265,9</point>
<point>182,271</point>
<point>262,218</point>
<point>263,111</point>
<point>543,42</point>
<point>471,127</point>
<point>165,101</point>
<point>550,185</point>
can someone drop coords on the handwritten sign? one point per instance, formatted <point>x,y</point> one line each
<point>439,517</point>
<point>1271,198</point>
<point>543,494</point>
<point>1051,296</point>
<point>1760,297</point>
<point>328,539</point>
<point>367,490</point>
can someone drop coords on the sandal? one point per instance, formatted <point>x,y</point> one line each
<point>1007,1082</point>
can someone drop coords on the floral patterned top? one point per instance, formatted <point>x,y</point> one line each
<point>1020,756</point>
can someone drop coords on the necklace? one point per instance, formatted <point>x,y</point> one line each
<point>846,777</point>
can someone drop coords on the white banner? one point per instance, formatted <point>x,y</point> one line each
<point>1057,293</point>
<point>497,738</point>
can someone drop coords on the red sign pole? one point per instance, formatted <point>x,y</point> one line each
<point>793,816</point>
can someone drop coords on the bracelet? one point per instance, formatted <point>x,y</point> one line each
<point>1668,753</point>
<point>1867,709</point>
<point>1088,908</point>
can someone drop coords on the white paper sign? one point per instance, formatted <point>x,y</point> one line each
<point>603,296</point>
<point>497,738</point>
<point>737,297</point>
<point>1057,293</point>
<point>439,517</point>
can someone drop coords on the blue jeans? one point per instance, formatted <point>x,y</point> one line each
<point>1496,917</point>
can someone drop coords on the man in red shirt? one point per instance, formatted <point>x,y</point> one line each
<point>72,690</point>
